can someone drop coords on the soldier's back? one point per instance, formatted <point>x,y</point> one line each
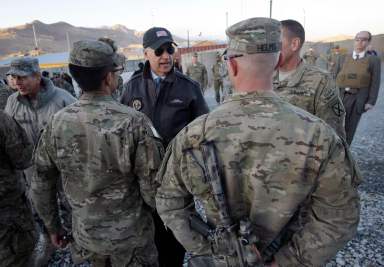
<point>95,147</point>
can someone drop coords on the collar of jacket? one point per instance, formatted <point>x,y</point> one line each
<point>296,77</point>
<point>95,96</point>
<point>43,97</point>
<point>256,94</point>
<point>147,73</point>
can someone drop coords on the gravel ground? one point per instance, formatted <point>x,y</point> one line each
<point>367,248</point>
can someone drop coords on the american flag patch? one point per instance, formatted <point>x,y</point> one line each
<point>161,33</point>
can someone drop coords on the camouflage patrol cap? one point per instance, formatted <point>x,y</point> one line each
<point>255,35</point>
<point>93,54</point>
<point>24,66</point>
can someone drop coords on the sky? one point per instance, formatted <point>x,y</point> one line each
<point>203,19</point>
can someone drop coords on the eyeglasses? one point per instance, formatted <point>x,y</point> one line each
<point>159,51</point>
<point>228,57</point>
<point>119,70</point>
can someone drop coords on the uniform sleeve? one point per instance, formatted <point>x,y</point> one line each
<point>329,106</point>
<point>175,203</point>
<point>17,147</point>
<point>44,181</point>
<point>333,213</point>
<point>375,80</point>
<point>148,155</point>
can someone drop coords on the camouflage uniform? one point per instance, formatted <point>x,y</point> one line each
<point>198,73</point>
<point>217,70</point>
<point>108,156</point>
<point>313,90</point>
<point>281,167</point>
<point>17,236</point>
<point>335,61</point>
<point>310,57</point>
<point>5,92</point>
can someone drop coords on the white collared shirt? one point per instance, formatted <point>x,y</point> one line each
<point>361,54</point>
<point>155,76</point>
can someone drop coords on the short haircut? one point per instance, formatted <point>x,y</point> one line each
<point>295,29</point>
<point>89,79</point>
<point>369,35</point>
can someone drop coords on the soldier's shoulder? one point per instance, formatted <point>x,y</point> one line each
<point>310,70</point>
<point>315,75</point>
<point>193,134</point>
<point>62,94</point>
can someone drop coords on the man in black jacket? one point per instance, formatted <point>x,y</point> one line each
<point>171,100</point>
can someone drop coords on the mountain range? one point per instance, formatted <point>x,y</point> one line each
<point>54,37</point>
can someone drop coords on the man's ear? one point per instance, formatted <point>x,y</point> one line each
<point>295,44</point>
<point>145,52</point>
<point>233,67</point>
<point>109,79</point>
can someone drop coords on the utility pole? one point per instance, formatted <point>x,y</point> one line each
<point>68,42</point>
<point>270,8</point>
<point>188,38</point>
<point>34,35</point>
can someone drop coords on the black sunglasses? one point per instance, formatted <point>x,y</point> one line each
<point>228,57</point>
<point>159,51</point>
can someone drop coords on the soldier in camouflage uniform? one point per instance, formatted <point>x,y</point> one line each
<point>197,72</point>
<point>217,71</point>
<point>335,61</point>
<point>32,106</point>
<point>310,57</point>
<point>17,236</point>
<point>108,155</point>
<point>307,86</point>
<point>280,166</point>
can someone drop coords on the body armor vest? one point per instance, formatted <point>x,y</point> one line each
<point>354,74</point>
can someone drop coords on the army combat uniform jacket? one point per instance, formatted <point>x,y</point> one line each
<point>314,90</point>
<point>108,156</point>
<point>17,238</point>
<point>279,165</point>
<point>177,102</point>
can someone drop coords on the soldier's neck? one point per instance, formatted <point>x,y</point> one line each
<point>290,64</point>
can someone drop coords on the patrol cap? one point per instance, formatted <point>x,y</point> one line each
<point>255,35</point>
<point>156,37</point>
<point>93,54</point>
<point>24,66</point>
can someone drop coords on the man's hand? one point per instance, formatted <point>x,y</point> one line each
<point>368,107</point>
<point>58,239</point>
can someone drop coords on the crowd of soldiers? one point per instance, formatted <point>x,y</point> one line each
<point>118,174</point>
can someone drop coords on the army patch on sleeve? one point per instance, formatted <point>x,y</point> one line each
<point>137,104</point>
<point>338,108</point>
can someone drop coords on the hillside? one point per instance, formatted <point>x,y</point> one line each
<point>53,37</point>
